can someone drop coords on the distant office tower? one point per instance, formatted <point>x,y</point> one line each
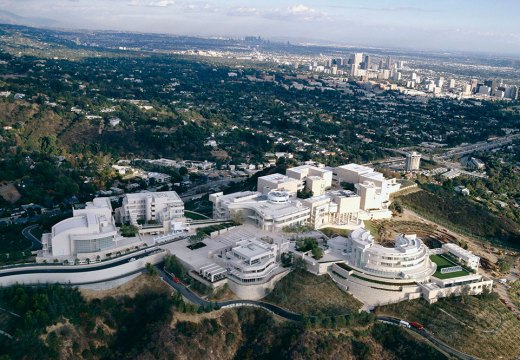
<point>354,70</point>
<point>368,62</point>
<point>397,76</point>
<point>492,84</point>
<point>400,64</point>
<point>413,161</point>
<point>484,90</point>
<point>452,83</point>
<point>473,84</point>
<point>511,92</point>
<point>440,82</point>
<point>356,59</point>
<point>466,89</point>
<point>414,77</point>
<point>388,62</point>
<point>334,70</point>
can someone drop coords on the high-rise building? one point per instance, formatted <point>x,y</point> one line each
<point>440,82</point>
<point>413,161</point>
<point>388,62</point>
<point>512,92</point>
<point>474,83</point>
<point>452,83</point>
<point>368,62</point>
<point>356,59</point>
<point>492,84</point>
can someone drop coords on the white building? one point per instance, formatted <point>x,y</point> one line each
<point>156,207</point>
<point>250,261</point>
<point>413,161</point>
<point>278,182</point>
<point>351,173</point>
<point>89,234</point>
<point>379,275</point>
<point>271,212</point>
<point>462,255</point>
<point>88,230</point>
<point>337,208</point>
<point>311,178</point>
<point>408,259</point>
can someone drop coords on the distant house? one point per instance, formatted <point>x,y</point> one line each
<point>114,121</point>
<point>462,190</point>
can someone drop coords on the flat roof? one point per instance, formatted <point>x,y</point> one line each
<point>251,248</point>
<point>356,168</point>
<point>278,178</point>
<point>156,195</point>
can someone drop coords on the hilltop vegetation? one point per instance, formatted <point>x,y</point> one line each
<point>456,212</point>
<point>478,325</point>
<point>58,323</point>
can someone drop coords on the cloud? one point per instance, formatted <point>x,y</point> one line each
<point>387,9</point>
<point>243,11</point>
<point>298,12</point>
<point>200,6</point>
<point>160,3</point>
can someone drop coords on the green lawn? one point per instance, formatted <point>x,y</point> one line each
<point>442,263</point>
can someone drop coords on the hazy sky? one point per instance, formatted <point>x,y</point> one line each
<point>477,25</point>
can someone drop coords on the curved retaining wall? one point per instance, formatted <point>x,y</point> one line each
<point>83,275</point>
<point>372,293</point>
<point>256,291</point>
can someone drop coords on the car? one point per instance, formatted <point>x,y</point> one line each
<point>132,259</point>
<point>176,280</point>
<point>417,325</point>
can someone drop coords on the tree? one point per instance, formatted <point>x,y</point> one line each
<point>317,253</point>
<point>150,269</point>
<point>504,265</point>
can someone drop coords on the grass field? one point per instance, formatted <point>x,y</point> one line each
<point>481,326</point>
<point>303,292</point>
<point>442,263</point>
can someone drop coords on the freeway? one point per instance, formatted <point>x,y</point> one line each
<point>483,145</point>
<point>286,314</point>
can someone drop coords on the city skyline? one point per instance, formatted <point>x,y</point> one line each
<point>475,26</point>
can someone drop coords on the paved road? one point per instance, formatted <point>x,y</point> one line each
<point>197,300</point>
<point>26,232</point>
<point>428,335</point>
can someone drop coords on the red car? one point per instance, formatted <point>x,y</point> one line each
<point>176,280</point>
<point>417,325</point>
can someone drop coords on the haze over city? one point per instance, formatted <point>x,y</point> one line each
<point>477,26</point>
<point>259,180</point>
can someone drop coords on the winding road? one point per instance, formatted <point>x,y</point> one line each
<point>286,314</point>
<point>26,232</point>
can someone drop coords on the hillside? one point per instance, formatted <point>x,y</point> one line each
<point>140,320</point>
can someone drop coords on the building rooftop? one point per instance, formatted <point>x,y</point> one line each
<point>278,178</point>
<point>252,248</point>
<point>360,169</point>
<point>171,195</point>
